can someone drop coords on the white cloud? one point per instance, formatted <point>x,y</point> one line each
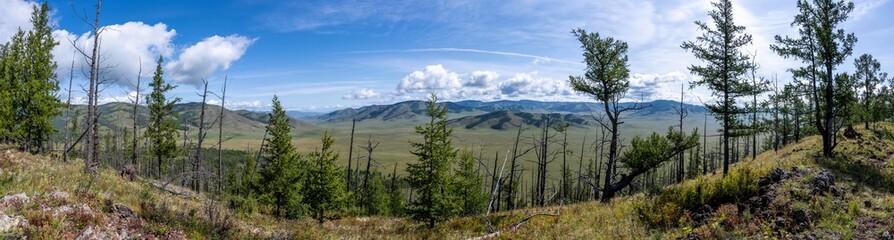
<point>204,58</point>
<point>124,47</point>
<point>433,77</point>
<point>233,105</point>
<point>864,7</point>
<point>532,86</point>
<point>14,14</point>
<point>481,79</point>
<point>361,94</point>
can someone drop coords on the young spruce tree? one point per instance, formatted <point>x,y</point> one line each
<point>162,130</point>
<point>429,177</point>
<point>467,185</point>
<point>280,172</point>
<point>324,185</point>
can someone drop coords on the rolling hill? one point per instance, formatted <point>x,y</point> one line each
<point>505,119</point>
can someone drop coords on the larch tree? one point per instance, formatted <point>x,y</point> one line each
<point>868,77</point>
<point>12,54</point>
<point>430,175</point>
<point>280,174</point>
<point>39,104</point>
<point>468,185</point>
<point>821,45</point>
<point>720,48</point>
<point>162,129</point>
<point>323,187</point>
<point>606,79</point>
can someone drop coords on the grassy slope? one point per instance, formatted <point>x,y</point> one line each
<point>863,172</point>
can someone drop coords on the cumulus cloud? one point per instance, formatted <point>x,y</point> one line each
<point>204,58</point>
<point>251,105</point>
<point>432,78</point>
<point>361,94</point>
<point>131,44</point>
<point>14,14</point>
<point>481,85</point>
<point>531,85</point>
<point>481,79</point>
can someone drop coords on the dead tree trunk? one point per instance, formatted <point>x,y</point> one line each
<point>200,154</point>
<point>220,123</point>
<point>369,150</point>
<point>351,153</point>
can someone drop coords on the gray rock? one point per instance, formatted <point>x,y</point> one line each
<point>58,195</point>
<point>15,199</point>
<point>11,223</point>
<point>823,181</point>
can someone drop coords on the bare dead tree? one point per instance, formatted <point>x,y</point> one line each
<point>369,150</point>
<point>220,123</point>
<point>351,153</point>
<point>136,103</point>
<point>510,203</point>
<point>68,112</point>
<point>200,154</point>
<point>681,111</point>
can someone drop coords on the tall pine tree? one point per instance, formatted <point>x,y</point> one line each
<point>868,77</point>
<point>720,48</point>
<point>821,46</point>
<point>38,103</point>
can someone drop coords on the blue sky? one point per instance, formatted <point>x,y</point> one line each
<point>326,55</point>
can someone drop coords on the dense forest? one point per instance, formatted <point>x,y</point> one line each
<point>449,179</point>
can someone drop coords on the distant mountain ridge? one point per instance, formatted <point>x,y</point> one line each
<point>410,110</point>
<point>502,120</point>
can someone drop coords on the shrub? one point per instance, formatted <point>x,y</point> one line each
<point>671,204</point>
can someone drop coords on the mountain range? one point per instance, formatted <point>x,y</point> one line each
<point>499,115</point>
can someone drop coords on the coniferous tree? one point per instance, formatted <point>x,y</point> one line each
<point>868,76</point>
<point>162,129</point>
<point>396,200</point>
<point>38,101</point>
<point>606,79</point>
<point>468,185</point>
<point>821,46</point>
<point>720,48</point>
<point>323,188</point>
<point>280,174</point>
<point>12,54</point>
<point>377,199</point>
<point>430,176</point>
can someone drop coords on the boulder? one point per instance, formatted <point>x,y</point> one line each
<point>58,195</point>
<point>849,132</point>
<point>128,171</point>
<point>823,181</point>
<point>776,176</point>
<point>11,223</point>
<point>16,200</point>
<point>123,211</point>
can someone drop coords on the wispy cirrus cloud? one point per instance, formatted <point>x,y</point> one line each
<point>538,59</point>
